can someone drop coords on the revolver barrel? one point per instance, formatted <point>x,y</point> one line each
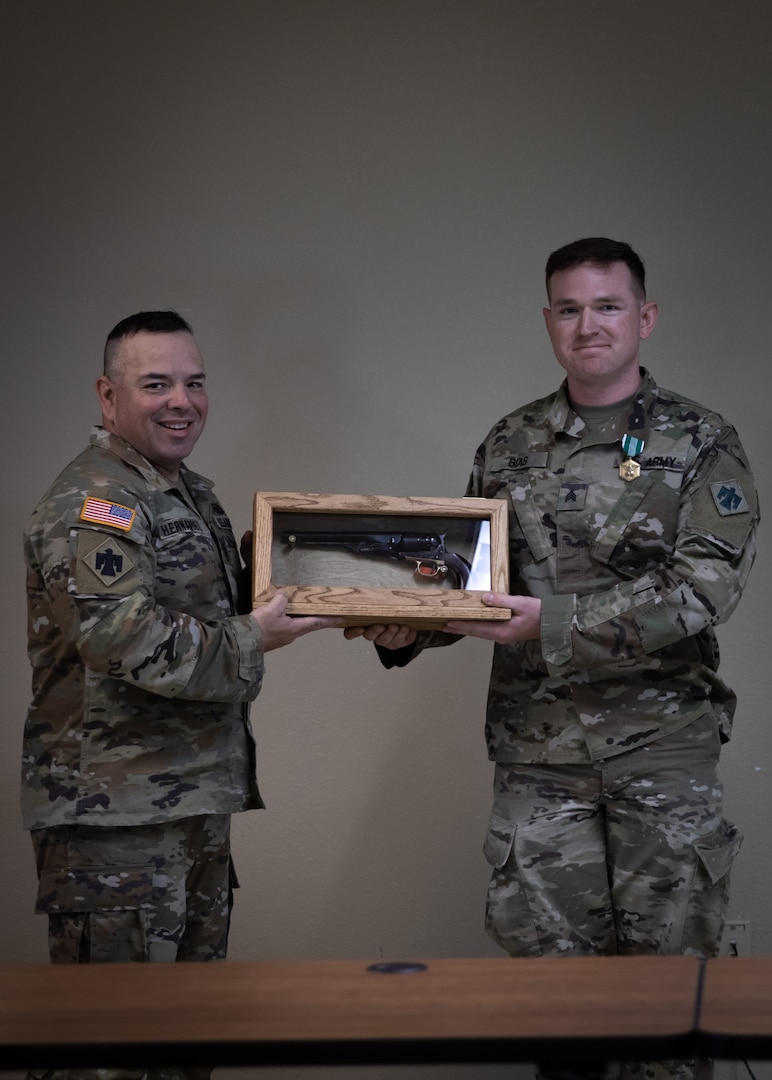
<point>426,550</point>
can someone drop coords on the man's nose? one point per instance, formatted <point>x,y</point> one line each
<point>179,397</point>
<point>587,322</point>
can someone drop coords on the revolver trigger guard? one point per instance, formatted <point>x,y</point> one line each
<point>424,568</point>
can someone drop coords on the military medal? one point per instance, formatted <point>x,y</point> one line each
<point>632,446</point>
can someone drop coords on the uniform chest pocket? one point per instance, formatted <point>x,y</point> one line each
<point>529,526</point>
<point>181,542</point>
<point>641,527</point>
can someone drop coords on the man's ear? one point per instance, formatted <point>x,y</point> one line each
<point>106,394</point>
<point>649,316</point>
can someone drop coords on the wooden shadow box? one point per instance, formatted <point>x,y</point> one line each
<point>381,559</point>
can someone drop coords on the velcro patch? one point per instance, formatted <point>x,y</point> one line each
<point>103,562</point>
<point>103,512</point>
<point>180,525</point>
<point>572,496</point>
<point>728,497</point>
<point>536,460</point>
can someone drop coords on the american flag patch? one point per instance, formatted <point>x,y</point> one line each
<point>107,513</point>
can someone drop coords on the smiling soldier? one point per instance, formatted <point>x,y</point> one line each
<point>145,656</point>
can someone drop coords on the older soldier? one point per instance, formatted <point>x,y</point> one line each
<point>145,657</point>
<point>632,532</point>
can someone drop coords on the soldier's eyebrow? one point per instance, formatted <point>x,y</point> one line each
<point>156,375</point>
<point>612,298</point>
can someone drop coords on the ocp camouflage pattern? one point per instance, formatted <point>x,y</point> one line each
<point>633,575</point>
<point>142,665</point>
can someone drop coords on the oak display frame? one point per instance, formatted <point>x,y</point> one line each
<point>425,607</point>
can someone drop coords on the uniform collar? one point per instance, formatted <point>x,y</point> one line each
<point>106,440</point>
<point>562,417</point>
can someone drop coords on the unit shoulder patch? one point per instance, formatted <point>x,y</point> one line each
<point>104,564</point>
<point>728,497</point>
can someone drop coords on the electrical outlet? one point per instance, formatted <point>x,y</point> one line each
<point>736,940</point>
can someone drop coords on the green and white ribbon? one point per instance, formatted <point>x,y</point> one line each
<point>631,445</point>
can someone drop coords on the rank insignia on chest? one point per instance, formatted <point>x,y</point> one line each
<point>572,496</point>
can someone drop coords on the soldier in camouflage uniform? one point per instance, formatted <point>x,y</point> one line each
<point>632,520</point>
<point>145,656</point>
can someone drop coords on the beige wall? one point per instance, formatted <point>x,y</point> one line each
<point>352,201</point>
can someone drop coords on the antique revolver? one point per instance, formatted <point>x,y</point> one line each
<point>426,550</point>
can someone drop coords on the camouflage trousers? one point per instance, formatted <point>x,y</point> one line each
<point>626,856</point>
<point>140,893</point>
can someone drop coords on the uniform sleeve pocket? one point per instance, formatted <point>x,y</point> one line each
<point>251,666</point>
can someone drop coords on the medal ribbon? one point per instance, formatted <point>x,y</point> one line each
<point>632,446</point>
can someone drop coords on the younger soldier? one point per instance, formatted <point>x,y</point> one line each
<point>632,517</point>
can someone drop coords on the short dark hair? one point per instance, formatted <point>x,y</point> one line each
<point>600,251</point>
<point>148,322</point>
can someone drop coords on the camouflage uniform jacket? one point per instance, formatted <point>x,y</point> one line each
<point>142,670</point>
<point>633,574</point>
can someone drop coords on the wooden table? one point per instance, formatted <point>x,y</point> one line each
<point>736,1013</point>
<point>339,1012</point>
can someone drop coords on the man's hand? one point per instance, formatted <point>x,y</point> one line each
<point>279,629</point>
<point>391,636</point>
<point>524,625</point>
